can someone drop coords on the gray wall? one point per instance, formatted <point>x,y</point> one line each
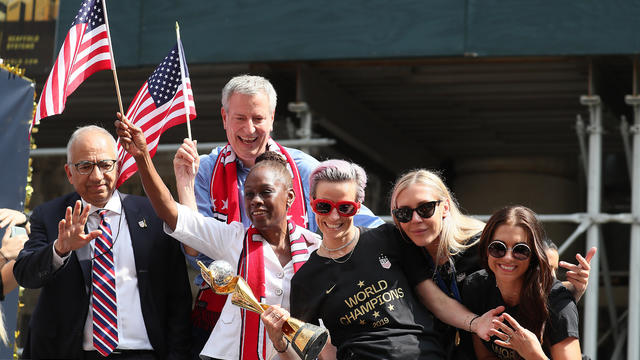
<point>274,30</point>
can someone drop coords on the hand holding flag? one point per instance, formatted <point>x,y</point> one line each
<point>161,103</point>
<point>186,163</point>
<point>130,137</point>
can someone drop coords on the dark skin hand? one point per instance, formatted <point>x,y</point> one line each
<point>133,140</point>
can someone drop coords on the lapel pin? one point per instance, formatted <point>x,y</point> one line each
<point>142,223</point>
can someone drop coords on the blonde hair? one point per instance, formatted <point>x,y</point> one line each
<point>457,228</point>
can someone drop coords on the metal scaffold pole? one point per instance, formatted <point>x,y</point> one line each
<point>594,188</point>
<point>633,346</point>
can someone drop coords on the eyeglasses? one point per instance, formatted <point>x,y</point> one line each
<point>519,251</point>
<point>86,167</point>
<point>425,210</point>
<point>344,208</point>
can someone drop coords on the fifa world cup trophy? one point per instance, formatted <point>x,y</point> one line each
<point>306,339</point>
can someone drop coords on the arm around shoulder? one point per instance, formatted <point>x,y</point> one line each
<point>454,313</point>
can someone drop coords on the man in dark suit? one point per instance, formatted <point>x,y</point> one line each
<point>113,283</point>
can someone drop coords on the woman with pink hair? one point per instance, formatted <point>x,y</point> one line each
<point>365,286</point>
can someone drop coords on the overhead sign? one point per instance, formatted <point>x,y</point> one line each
<point>27,34</point>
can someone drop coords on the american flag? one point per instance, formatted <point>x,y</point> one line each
<point>159,105</point>
<point>86,49</point>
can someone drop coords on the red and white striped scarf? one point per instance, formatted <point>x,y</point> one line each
<point>224,186</point>
<point>226,207</point>
<point>253,344</point>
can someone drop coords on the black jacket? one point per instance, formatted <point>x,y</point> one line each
<point>57,324</point>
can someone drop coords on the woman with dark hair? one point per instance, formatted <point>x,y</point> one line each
<point>266,255</point>
<point>541,317</point>
<point>427,214</point>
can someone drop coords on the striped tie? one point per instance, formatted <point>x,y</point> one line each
<point>105,310</point>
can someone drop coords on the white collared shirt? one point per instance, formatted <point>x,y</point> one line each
<point>223,241</point>
<point>132,333</point>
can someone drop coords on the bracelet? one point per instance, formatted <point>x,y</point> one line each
<point>471,322</point>
<point>283,350</point>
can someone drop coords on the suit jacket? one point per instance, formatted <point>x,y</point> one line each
<point>57,324</point>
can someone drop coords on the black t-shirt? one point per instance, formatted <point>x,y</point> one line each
<point>481,294</point>
<point>468,261</point>
<point>367,302</point>
<point>462,264</point>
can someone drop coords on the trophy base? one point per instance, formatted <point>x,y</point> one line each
<point>309,341</point>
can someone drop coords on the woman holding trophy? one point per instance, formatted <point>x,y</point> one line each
<point>360,284</point>
<point>267,254</point>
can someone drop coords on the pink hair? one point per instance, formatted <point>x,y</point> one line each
<point>335,170</point>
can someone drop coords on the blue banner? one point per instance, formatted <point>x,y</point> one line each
<point>16,112</point>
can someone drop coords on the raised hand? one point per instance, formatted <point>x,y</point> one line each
<point>484,324</point>
<point>71,234</point>
<point>186,162</point>
<point>516,337</point>
<point>131,137</point>
<point>578,275</point>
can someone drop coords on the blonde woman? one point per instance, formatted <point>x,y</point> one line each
<point>365,286</point>
<point>427,214</point>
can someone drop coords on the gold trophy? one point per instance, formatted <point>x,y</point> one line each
<point>306,339</point>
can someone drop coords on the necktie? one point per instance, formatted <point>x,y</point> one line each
<point>105,310</point>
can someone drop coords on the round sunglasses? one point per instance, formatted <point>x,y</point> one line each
<point>344,208</point>
<point>519,251</point>
<point>425,210</point>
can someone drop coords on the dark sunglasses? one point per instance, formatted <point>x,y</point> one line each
<point>498,249</point>
<point>425,210</point>
<point>344,208</point>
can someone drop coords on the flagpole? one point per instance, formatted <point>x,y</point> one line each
<point>113,59</point>
<point>185,95</point>
<point>184,86</point>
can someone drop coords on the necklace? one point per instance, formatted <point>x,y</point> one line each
<point>355,238</point>
<point>341,246</point>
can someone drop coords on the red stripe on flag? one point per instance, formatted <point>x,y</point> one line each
<point>153,122</point>
<point>59,84</point>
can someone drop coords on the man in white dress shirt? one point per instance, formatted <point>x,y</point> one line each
<point>115,288</point>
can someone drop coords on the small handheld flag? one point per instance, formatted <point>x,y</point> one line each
<point>165,100</point>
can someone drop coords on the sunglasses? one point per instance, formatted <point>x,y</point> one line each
<point>425,210</point>
<point>498,249</point>
<point>344,208</point>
